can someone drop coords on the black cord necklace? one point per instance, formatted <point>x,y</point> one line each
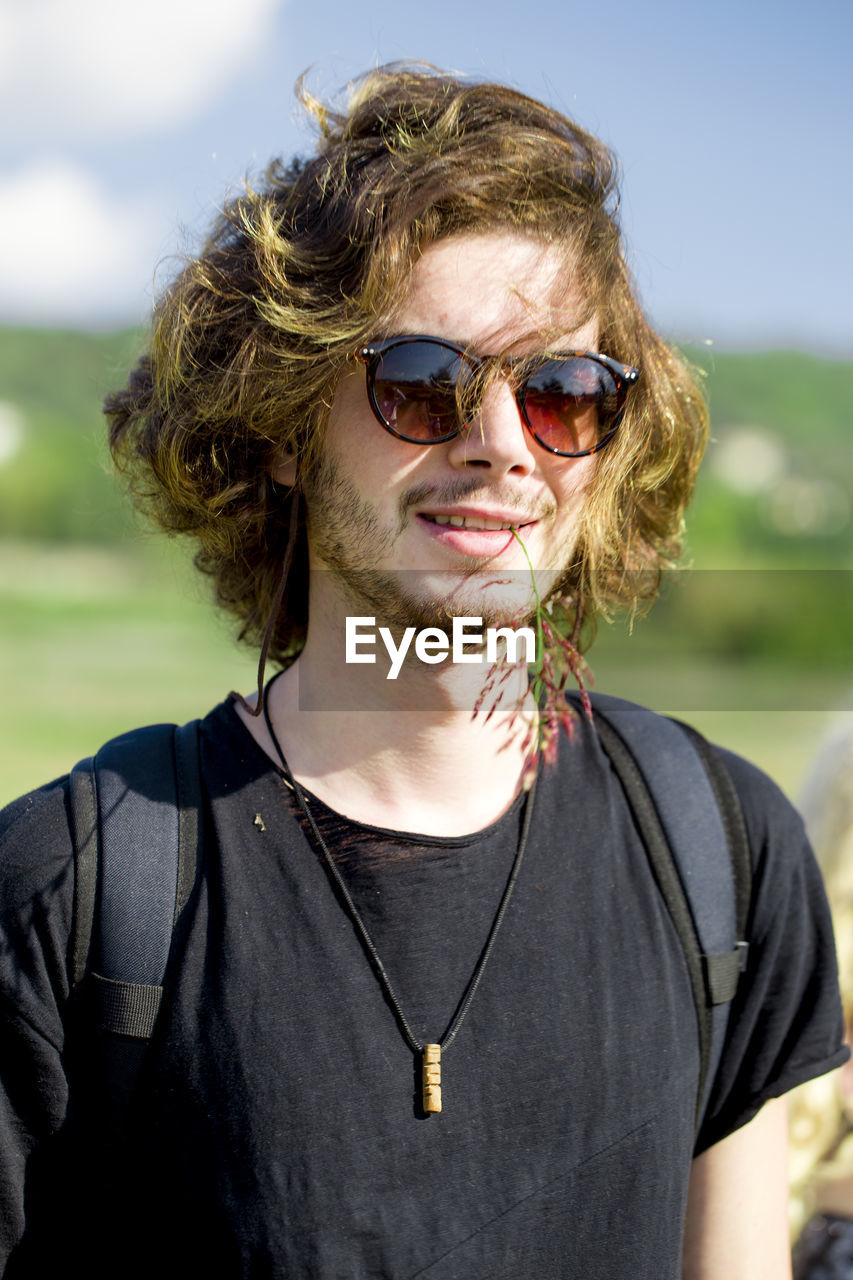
<point>430,1054</point>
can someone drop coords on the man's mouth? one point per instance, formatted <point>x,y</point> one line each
<point>474,522</point>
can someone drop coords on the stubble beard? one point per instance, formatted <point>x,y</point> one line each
<point>350,542</point>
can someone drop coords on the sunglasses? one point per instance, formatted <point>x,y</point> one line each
<point>570,402</point>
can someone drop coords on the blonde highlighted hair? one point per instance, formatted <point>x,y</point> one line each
<point>250,340</point>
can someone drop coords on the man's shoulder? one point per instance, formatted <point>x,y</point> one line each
<point>37,877</point>
<point>35,842</point>
<point>772,820</point>
<point>37,827</point>
<point>42,853</point>
<point>752,784</point>
<point>33,805</point>
<point>769,816</point>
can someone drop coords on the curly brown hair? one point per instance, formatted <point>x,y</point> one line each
<point>250,340</point>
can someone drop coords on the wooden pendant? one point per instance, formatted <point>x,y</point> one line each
<point>432,1077</point>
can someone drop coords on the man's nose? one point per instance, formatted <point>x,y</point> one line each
<point>496,437</point>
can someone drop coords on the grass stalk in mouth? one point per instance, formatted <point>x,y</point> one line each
<point>556,627</point>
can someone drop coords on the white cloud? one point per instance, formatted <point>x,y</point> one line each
<point>102,68</point>
<point>69,251</point>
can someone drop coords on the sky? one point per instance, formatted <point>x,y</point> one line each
<point>123,126</point>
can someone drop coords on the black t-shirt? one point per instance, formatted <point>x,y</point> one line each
<point>277,1133</point>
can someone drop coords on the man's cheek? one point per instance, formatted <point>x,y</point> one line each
<point>575,486</point>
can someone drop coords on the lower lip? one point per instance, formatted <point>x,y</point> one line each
<point>471,542</point>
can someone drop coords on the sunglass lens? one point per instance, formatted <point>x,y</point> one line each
<point>571,404</point>
<point>414,385</point>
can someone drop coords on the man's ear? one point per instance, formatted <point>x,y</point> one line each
<point>284,471</point>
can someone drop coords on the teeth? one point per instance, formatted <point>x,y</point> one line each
<point>470,522</point>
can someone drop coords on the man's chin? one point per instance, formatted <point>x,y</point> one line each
<point>434,600</point>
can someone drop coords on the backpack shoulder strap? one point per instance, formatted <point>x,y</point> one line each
<point>732,817</point>
<point>689,817</point>
<point>135,817</point>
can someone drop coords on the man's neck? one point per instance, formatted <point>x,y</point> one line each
<point>407,754</point>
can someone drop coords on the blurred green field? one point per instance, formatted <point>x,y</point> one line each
<point>93,642</point>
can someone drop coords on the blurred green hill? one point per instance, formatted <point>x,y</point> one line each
<point>758,630</point>
<point>776,487</point>
<point>55,484</point>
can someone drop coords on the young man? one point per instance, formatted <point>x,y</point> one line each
<point>406,383</point>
